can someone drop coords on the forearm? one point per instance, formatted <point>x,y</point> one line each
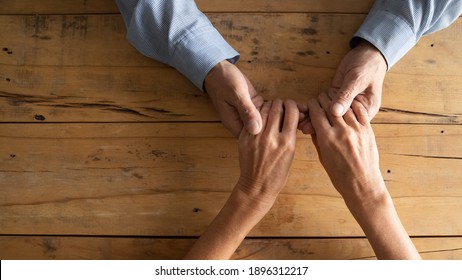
<point>177,33</point>
<point>229,228</point>
<point>380,222</point>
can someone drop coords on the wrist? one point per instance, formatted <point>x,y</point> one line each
<point>212,79</point>
<point>372,211</point>
<point>239,215</point>
<point>371,50</point>
<point>235,220</point>
<point>381,224</point>
<point>364,43</point>
<point>366,193</point>
<point>256,203</point>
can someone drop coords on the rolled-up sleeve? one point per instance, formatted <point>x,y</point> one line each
<point>175,32</point>
<point>395,26</point>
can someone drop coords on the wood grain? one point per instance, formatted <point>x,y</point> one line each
<point>157,179</point>
<point>105,94</point>
<point>283,40</point>
<point>108,6</point>
<point>107,154</point>
<point>63,247</point>
<point>61,69</point>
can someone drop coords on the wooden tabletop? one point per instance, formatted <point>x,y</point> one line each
<point>107,154</point>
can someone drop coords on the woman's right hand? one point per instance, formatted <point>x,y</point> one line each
<point>347,149</point>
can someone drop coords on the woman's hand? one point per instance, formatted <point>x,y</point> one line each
<point>347,149</point>
<point>265,159</point>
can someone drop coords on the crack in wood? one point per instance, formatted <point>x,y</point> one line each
<point>17,99</point>
<point>442,250</point>
<point>420,252</point>
<point>452,119</point>
<point>125,110</point>
<point>159,110</point>
<point>24,98</point>
<point>436,157</point>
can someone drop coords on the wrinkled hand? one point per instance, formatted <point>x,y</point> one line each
<point>347,149</point>
<point>265,159</point>
<point>359,76</point>
<point>234,98</point>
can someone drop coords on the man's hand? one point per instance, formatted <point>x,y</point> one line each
<point>359,76</point>
<point>234,98</point>
<point>265,159</point>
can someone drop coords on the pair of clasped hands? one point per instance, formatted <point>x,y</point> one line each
<point>346,146</point>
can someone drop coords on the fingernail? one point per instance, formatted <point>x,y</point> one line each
<point>253,127</point>
<point>337,109</point>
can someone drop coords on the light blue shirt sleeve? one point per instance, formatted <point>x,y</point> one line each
<point>395,26</point>
<point>175,32</point>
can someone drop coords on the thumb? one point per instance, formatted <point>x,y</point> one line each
<point>343,98</point>
<point>249,114</point>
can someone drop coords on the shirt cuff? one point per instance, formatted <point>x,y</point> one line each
<point>389,33</point>
<point>199,51</point>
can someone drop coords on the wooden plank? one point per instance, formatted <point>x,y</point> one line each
<point>449,248</point>
<point>72,40</point>
<point>70,76</point>
<point>289,41</point>
<point>159,180</point>
<point>63,247</point>
<point>101,94</point>
<point>105,94</point>
<point>90,94</point>
<point>108,6</point>
<point>57,7</point>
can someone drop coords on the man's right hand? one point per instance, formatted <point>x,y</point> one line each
<point>359,77</point>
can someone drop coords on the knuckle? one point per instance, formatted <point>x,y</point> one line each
<point>273,145</point>
<point>346,95</point>
<point>287,143</point>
